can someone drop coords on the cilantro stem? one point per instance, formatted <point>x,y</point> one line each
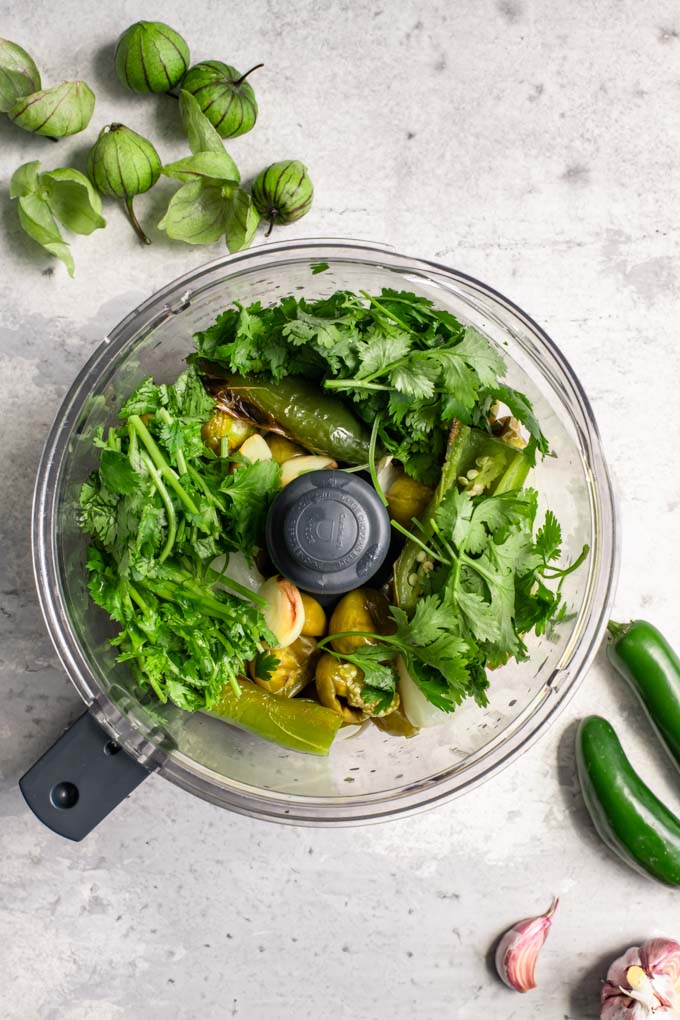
<point>413,538</point>
<point>390,315</point>
<point>235,686</point>
<point>201,483</point>
<point>350,633</point>
<point>555,572</point>
<point>163,414</point>
<point>212,607</point>
<point>214,576</point>
<point>169,508</point>
<point>349,384</point>
<point>136,597</point>
<point>161,463</point>
<point>133,449</point>
<point>447,545</point>
<point>371,459</point>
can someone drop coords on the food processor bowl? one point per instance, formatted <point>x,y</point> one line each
<point>370,775</point>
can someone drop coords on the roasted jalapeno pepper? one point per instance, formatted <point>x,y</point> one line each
<point>295,723</point>
<point>293,407</point>
<point>476,462</point>
<point>631,820</point>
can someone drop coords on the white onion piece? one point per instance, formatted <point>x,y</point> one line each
<point>418,710</point>
<point>239,570</point>
<point>387,473</point>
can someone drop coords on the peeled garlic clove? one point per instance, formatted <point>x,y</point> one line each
<point>297,466</point>
<point>255,449</point>
<point>285,613</point>
<point>518,950</point>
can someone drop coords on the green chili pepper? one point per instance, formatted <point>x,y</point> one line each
<point>631,820</point>
<point>474,460</point>
<point>294,408</point>
<point>294,723</point>
<point>643,656</point>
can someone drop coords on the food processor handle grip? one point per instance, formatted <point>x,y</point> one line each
<point>83,776</point>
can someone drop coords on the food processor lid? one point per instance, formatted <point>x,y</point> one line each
<point>328,532</point>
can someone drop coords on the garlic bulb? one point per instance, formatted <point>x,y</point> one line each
<point>518,950</point>
<point>644,983</point>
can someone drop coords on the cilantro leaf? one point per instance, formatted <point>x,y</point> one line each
<point>250,491</point>
<point>549,538</point>
<point>117,473</point>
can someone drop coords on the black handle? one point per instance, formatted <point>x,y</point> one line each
<point>82,777</point>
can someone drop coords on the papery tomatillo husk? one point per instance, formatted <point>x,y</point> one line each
<point>124,164</point>
<point>18,74</point>
<point>224,96</point>
<point>62,110</point>
<point>283,192</point>
<point>151,57</point>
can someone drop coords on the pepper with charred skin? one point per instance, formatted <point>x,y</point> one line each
<point>292,407</point>
<point>479,463</point>
<point>295,723</point>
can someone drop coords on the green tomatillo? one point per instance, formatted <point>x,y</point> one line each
<point>123,164</point>
<point>224,96</point>
<point>64,109</point>
<point>151,57</point>
<point>18,74</point>
<point>283,192</point>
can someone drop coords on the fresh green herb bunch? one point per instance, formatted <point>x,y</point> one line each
<point>59,196</point>
<point>158,509</point>
<point>283,192</point>
<point>151,57</point>
<point>123,164</point>
<point>224,96</point>
<point>402,361</point>
<point>489,588</point>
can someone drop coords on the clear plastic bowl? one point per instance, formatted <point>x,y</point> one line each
<point>372,775</point>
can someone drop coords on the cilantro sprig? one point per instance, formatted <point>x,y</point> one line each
<point>158,509</point>
<point>396,356</point>
<point>489,588</point>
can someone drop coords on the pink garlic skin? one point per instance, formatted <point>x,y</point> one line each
<point>660,960</point>
<point>518,950</point>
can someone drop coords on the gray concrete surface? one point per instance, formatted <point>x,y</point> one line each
<point>537,146</point>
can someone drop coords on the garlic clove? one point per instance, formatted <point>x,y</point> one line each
<point>297,466</point>
<point>255,449</point>
<point>284,613</point>
<point>643,983</point>
<point>519,947</point>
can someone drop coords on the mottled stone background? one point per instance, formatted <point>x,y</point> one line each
<point>536,146</point>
